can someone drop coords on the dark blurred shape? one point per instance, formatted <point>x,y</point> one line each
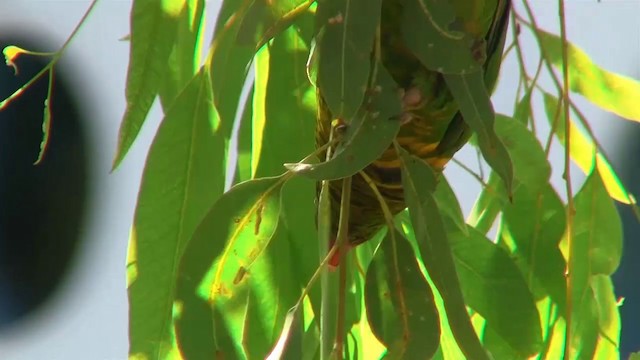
<point>41,206</point>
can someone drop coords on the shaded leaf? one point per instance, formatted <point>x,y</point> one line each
<point>367,136</point>
<point>427,30</point>
<point>476,108</point>
<point>583,151</point>
<point>183,176</point>
<point>533,226</point>
<point>530,165</point>
<point>608,90</point>
<point>153,34</point>
<point>346,30</point>
<point>493,286</point>
<point>399,302</point>
<point>419,183</point>
<point>448,204</point>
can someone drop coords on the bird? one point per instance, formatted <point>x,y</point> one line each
<point>432,127</point>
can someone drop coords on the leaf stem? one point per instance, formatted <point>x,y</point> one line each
<point>341,243</point>
<point>55,57</point>
<point>567,177</point>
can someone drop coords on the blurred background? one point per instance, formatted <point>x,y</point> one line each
<point>64,224</point>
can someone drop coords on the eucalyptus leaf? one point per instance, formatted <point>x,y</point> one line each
<point>399,302</point>
<point>606,89</point>
<point>183,176</point>
<point>534,223</point>
<point>228,241</point>
<point>348,29</point>
<point>583,151</point>
<point>419,183</point>
<point>476,108</point>
<point>367,136</point>
<point>153,34</point>
<point>427,31</point>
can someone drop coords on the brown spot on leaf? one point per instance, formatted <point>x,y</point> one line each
<point>259,210</point>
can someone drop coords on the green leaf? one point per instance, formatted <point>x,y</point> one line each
<point>494,287</point>
<point>522,112</point>
<point>265,20</point>
<point>597,225</point>
<point>283,105</point>
<point>427,31</point>
<point>346,32</point>
<point>530,165</point>
<point>153,34</point>
<point>472,97</point>
<point>488,204</point>
<point>229,61</point>
<point>184,59</point>
<point>399,302</point>
<point>533,226</point>
<point>583,151</point>
<point>608,90</point>
<point>222,252</point>
<point>448,204</point>
<point>183,176</point>
<point>367,136</point>
<point>419,183</point>
<point>245,146</point>
<point>608,318</point>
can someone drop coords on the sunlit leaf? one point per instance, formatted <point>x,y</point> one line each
<point>266,19</point>
<point>488,204</point>
<point>608,318</point>
<point>345,41</point>
<point>419,183</point>
<point>583,151</point>
<point>184,59</point>
<point>606,89</point>
<point>222,252</point>
<point>283,106</point>
<point>597,225</point>
<point>399,302</point>
<point>183,176</point>
<point>476,108</point>
<point>367,136</point>
<point>153,34</point>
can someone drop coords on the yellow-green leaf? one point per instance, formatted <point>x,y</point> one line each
<point>583,152</point>
<point>608,90</point>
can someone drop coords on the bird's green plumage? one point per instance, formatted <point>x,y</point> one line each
<point>434,130</point>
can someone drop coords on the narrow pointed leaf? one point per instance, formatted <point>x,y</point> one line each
<point>184,60</point>
<point>153,34</point>
<point>583,151</point>
<point>597,224</point>
<point>608,318</point>
<point>476,108</point>
<point>183,176</point>
<point>367,136</point>
<point>608,90</point>
<point>347,29</point>
<point>399,302</point>
<point>419,183</point>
